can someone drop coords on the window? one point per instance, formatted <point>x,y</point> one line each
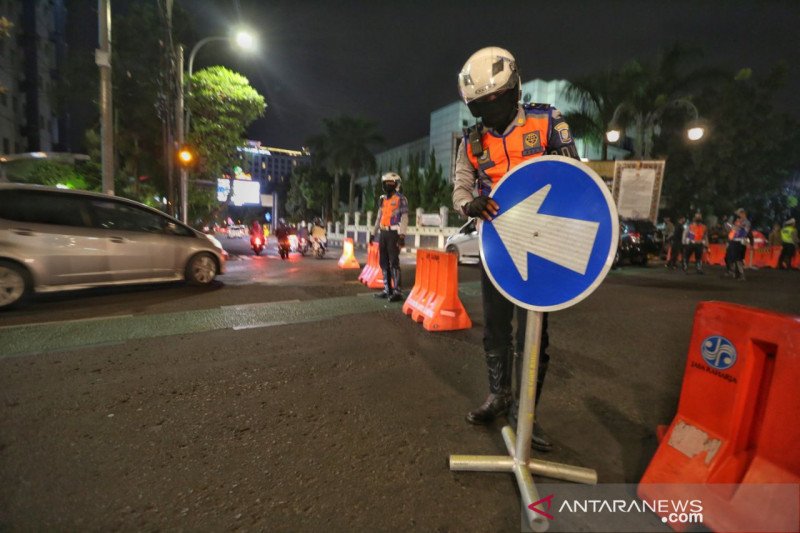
<point>40,207</point>
<point>113,215</point>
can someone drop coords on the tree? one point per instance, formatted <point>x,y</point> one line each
<point>222,104</point>
<point>347,142</point>
<point>437,192</point>
<point>597,97</point>
<point>747,157</point>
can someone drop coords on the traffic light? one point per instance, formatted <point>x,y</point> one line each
<point>185,157</point>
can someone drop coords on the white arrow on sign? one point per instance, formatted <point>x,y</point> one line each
<point>567,242</point>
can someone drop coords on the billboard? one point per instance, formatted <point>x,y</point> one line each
<point>244,192</point>
<point>637,188</point>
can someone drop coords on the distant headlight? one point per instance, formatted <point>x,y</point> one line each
<point>214,240</point>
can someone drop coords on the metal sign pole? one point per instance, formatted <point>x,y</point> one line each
<point>518,233</point>
<point>518,444</point>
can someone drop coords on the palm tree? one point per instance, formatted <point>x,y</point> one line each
<point>636,95</point>
<point>349,140</point>
<point>597,96</point>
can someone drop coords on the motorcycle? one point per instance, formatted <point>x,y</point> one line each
<point>284,248</point>
<point>318,246</point>
<point>257,244</point>
<point>302,246</point>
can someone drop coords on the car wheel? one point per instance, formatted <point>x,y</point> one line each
<point>201,270</point>
<point>14,284</point>
<point>454,250</point>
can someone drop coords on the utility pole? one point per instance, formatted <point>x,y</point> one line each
<point>180,134</point>
<point>103,60</point>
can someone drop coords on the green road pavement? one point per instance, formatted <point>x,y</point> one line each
<point>68,335</point>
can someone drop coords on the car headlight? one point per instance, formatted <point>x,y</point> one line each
<point>214,241</point>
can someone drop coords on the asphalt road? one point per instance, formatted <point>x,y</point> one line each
<point>286,398</point>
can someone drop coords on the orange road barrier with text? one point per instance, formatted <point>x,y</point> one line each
<point>434,299</point>
<point>371,275</point>
<point>738,421</point>
<point>348,259</point>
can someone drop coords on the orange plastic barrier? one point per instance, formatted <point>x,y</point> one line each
<point>766,257</point>
<point>716,254</point>
<point>348,259</point>
<point>738,420</point>
<point>434,299</point>
<point>371,275</point>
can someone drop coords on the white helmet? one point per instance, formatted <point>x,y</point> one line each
<point>391,176</point>
<point>487,71</point>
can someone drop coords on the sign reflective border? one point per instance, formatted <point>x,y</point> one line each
<point>555,237</point>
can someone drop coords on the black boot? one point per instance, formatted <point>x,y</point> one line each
<point>387,289</point>
<point>499,365</point>
<point>397,294</point>
<point>539,439</point>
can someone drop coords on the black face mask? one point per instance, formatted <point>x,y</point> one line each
<point>389,187</point>
<point>498,113</point>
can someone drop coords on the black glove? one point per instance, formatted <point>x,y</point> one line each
<point>482,206</point>
<point>371,238</point>
<point>401,241</point>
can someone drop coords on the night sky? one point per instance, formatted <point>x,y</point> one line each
<point>395,62</point>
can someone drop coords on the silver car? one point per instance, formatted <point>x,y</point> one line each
<point>53,239</point>
<point>464,243</point>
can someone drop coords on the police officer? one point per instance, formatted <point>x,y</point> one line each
<point>392,223</point>
<point>508,134</point>
<point>789,242</point>
<point>695,240</point>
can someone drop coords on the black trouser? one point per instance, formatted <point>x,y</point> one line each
<point>498,313</point>
<point>787,254</point>
<point>696,249</point>
<point>675,252</point>
<point>389,250</point>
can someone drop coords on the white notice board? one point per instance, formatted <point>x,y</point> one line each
<point>637,188</point>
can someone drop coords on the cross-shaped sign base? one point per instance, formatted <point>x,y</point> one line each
<point>518,461</point>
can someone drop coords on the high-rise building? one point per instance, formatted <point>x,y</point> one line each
<point>31,56</point>
<point>271,166</point>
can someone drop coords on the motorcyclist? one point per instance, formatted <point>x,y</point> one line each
<point>282,236</point>
<point>318,232</point>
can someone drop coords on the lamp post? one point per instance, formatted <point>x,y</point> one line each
<point>646,124</point>
<point>183,117</point>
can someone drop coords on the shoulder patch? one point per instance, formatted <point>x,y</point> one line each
<point>563,132</point>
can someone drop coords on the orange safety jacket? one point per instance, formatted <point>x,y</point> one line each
<point>389,208</point>
<point>696,232</point>
<point>528,139</point>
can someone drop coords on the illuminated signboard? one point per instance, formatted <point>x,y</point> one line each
<point>244,192</point>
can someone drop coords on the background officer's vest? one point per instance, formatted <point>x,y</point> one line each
<point>388,208</point>
<point>696,232</point>
<point>786,234</point>
<point>526,140</point>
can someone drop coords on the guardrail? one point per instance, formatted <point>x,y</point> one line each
<point>417,236</point>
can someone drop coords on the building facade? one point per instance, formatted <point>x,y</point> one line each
<point>447,126</point>
<point>271,166</point>
<point>31,56</point>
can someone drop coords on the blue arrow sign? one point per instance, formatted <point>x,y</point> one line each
<point>555,236</point>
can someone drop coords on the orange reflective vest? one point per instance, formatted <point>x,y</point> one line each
<point>697,232</point>
<point>527,139</point>
<point>388,208</point>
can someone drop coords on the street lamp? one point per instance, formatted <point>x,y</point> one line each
<point>246,41</point>
<point>646,125</point>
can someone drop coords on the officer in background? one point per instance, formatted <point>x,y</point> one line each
<point>695,242</point>
<point>392,223</point>
<point>507,135</point>
<point>789,243</point>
